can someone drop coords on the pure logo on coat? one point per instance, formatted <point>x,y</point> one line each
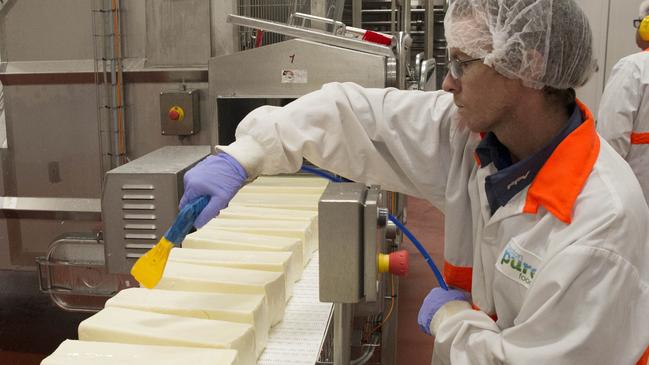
<point>518,264</point>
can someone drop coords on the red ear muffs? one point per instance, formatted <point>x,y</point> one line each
<point>643,29</point>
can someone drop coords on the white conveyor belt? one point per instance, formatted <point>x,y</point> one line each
<point>298,337</point>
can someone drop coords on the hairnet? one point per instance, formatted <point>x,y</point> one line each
<point>644,9</point>
<point>541,42</point>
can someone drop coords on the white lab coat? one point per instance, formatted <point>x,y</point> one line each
<point>588,299</point>
<point>623,118</point>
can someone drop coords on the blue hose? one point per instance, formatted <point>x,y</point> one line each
<point>422,251</point>
<point>317,171</point>
<point>403,228</point>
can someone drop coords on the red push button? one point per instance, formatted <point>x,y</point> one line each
<point>176,113</point>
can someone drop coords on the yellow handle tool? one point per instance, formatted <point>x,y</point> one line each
<point>149,268</point>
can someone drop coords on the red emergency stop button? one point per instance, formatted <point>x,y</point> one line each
<point>176,113</point>
<point>396,263</point>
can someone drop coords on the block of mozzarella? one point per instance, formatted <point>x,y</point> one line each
<point>242,308</point>
<point>264,260</point>
<point>73,352</point>
<point>284,180</point>
<point>113,324</point>
<point>286,189</point>
<point>246,212</point>
<point>242,211</point>
<point>281,201</point>
<point>218,239</point>
<point>294,229</point>
<point>201,278</point>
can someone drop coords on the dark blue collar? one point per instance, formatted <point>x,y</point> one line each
<point>511,177</point>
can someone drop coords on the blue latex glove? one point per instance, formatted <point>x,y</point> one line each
<point>219,177</point>
<point>433,302</point>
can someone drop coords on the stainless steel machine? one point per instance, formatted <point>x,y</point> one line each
<point>139,203</point>
<point>354,233</point>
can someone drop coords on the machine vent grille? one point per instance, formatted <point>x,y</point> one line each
<point>139,218</point>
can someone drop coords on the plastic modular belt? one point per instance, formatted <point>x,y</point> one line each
<point>298,338</point>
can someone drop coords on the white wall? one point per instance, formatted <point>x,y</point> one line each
<point>613,38</point>
<point>597,13</point>
<point>621,34</point>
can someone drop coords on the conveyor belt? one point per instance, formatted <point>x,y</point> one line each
<point>298,338</point>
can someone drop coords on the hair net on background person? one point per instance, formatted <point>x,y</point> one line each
<point>541,42</point>
<point>644,9</point>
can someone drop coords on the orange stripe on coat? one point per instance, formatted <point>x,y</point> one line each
<point>639,138</point>
<point>458,276</point>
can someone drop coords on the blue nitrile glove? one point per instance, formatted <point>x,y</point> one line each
<point>218,177</point>
<point>433,302</point>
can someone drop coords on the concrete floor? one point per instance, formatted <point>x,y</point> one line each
<point>31,327</point>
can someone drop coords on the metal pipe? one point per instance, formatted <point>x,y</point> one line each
<point>312,35</point>
<point>429,28</point>
<point>357,9</point>
<point>342,333</point>
<point>405,16</point>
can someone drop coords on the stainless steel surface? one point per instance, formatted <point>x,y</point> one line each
<point>82,72</point>
<point>406,16</point>
<point>177,32</point>
<point>403,41</point>
<point>52,105</point>
<point>428,75</point>
<point>373,241</point>
<point>389,329</point>
<point>188,101</point>
<point>357,15</point>
<point>33,30</point>
<point>244,74</point>
<point>340,225</point>
<point>140,201</point>
<point>312,21</point>
<point>312,35</point>
<point>342,331</point>
<point>429,29</point>
<point>54,205</point>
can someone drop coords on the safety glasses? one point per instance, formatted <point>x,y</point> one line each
<point>456,67</point>
<point>636,22</point>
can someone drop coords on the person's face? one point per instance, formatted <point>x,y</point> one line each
<point>484,97</point>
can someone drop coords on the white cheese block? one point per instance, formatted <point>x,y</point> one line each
<point>122,325</point>
<point>201,278</point>
<point>72,352</point>
<point>284,180</point>
<point>265,261</point>
<point>245,212</point>
<point>241,308</point>
<point>218,239</point>
<point>295,229</point>
<point>280,201</point>
<point>286,189</point>
<point>242,211</point>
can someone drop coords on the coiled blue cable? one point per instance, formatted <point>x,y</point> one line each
<point>413,239</point>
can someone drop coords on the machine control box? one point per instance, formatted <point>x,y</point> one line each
<point>179,113</point>
<point>351,235</point>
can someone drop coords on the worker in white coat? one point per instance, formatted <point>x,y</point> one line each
<point>546,243</point>
<point>623,117</point>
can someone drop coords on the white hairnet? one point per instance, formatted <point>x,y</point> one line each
<point>644,9</point>
<point>541,42</point>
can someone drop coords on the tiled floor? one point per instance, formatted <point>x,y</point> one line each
<point>32,327</point>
